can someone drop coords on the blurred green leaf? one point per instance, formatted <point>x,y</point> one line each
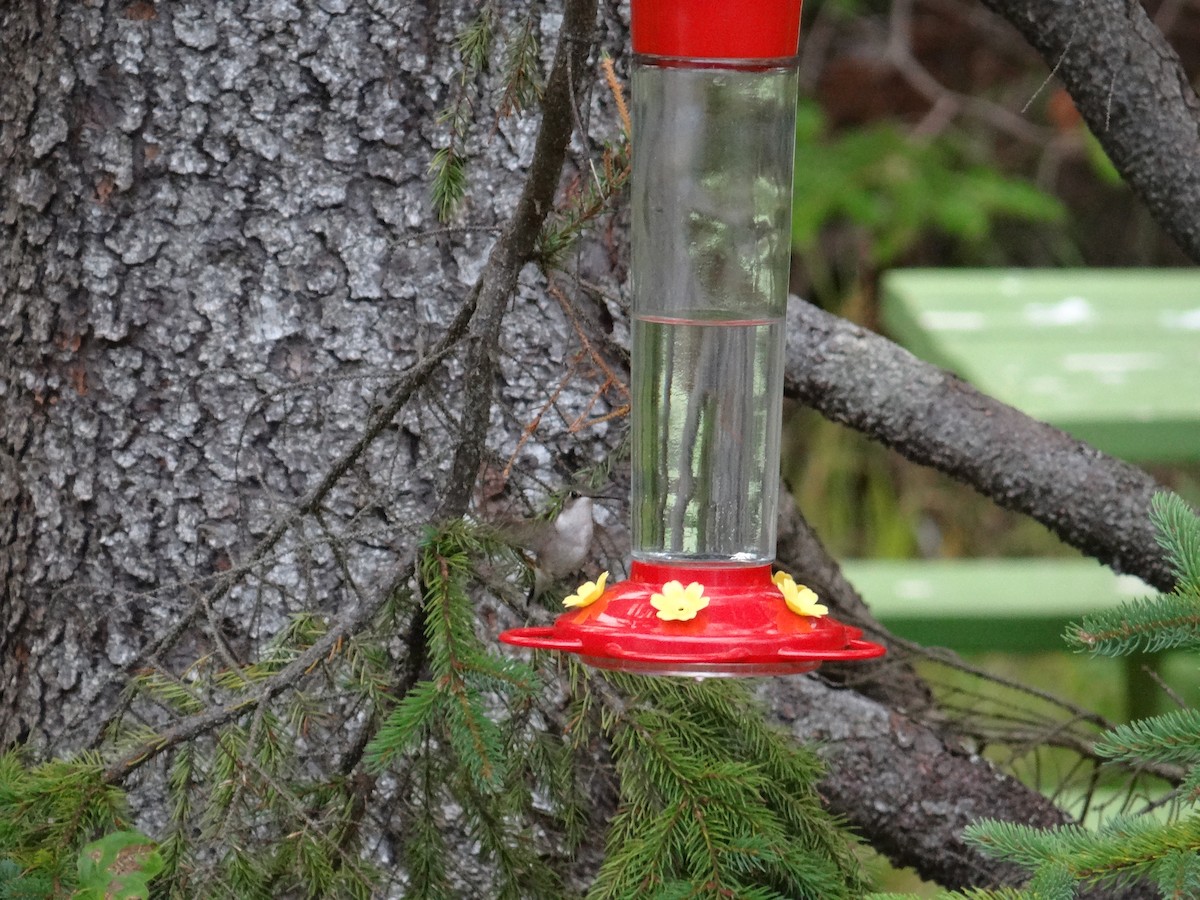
<point>1101,165</point>
<point>118,866</point>
<point>896,189</point>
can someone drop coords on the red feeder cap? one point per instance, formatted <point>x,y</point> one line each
<point>716,29</point>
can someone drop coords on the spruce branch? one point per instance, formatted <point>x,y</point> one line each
<point>1147,625</point>
<point>449,185</point>
<point>714,803</point>
<point>464,729</point>
<point>1122,849</point>
<point>1158,623</point>
<point>1173,737</point>
<point>48,813</point>
<point>969,894</point>
<point>475,41</point>
<point>1178,875</point>
<point>1179,536</point>
<point>425,847</point>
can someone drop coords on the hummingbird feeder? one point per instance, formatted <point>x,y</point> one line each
<point>714,110</point>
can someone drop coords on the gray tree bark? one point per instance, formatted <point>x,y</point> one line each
<point>242,364</point>
<point>219,258</point>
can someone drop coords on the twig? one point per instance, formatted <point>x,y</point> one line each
<point>287,677</point>
<point>514,248</point>
<point>899,53</point>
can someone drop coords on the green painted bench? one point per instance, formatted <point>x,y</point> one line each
<point>1110,356</point>
<point>975,605</point>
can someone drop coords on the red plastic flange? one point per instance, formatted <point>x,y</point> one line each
<point>716,29</point>
<point>746,628</point>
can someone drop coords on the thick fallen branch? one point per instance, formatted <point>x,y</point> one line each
<point>909,789</point>
<point>1094,502</point>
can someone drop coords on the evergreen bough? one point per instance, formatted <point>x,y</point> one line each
<point>479,763</point>
<point>714,802</point>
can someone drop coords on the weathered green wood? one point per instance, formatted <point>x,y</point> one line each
<point>1017,605</point>
<point>1111,356</point>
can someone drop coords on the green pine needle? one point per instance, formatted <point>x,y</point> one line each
<point>1053,882</point>
<point>1167,621</point>
<point>476,40</point>
<point>1179,535</point>
<point>714,799</point>
<point>449,185</point>
<point>1173,737</point>
<point>1123,848</point>
<point>522,82</point>
<point>1150,625</point>
<point>411,721</point>
<point>1178,875</point>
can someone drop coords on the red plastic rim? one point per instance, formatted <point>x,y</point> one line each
<point>746,628</point>
<point>716,29</point>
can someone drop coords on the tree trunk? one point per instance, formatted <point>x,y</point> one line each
<point>1130,87</point>
<point>242,364</point>
<point>220,256</point>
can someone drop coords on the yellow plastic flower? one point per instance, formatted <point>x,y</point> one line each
<point>677,603</point>
<point>587,593</point>
<point>801,600</point>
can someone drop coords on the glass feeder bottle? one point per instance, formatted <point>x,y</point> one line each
<point>713,145</point>
<point>714,106</point>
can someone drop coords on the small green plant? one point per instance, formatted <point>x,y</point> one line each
<point>65,833</point>
<point>119,866</point>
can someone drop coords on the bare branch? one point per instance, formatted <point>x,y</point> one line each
<point>1130,87</point>
<point>515,248</point>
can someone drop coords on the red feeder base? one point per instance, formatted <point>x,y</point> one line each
<point>745,630</point>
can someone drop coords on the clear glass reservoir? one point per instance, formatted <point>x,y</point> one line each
<point>713,145</point>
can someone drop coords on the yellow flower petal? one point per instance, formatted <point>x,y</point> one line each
<point>801,600</point>
<point>677,603</point>
<point>587,593</point>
